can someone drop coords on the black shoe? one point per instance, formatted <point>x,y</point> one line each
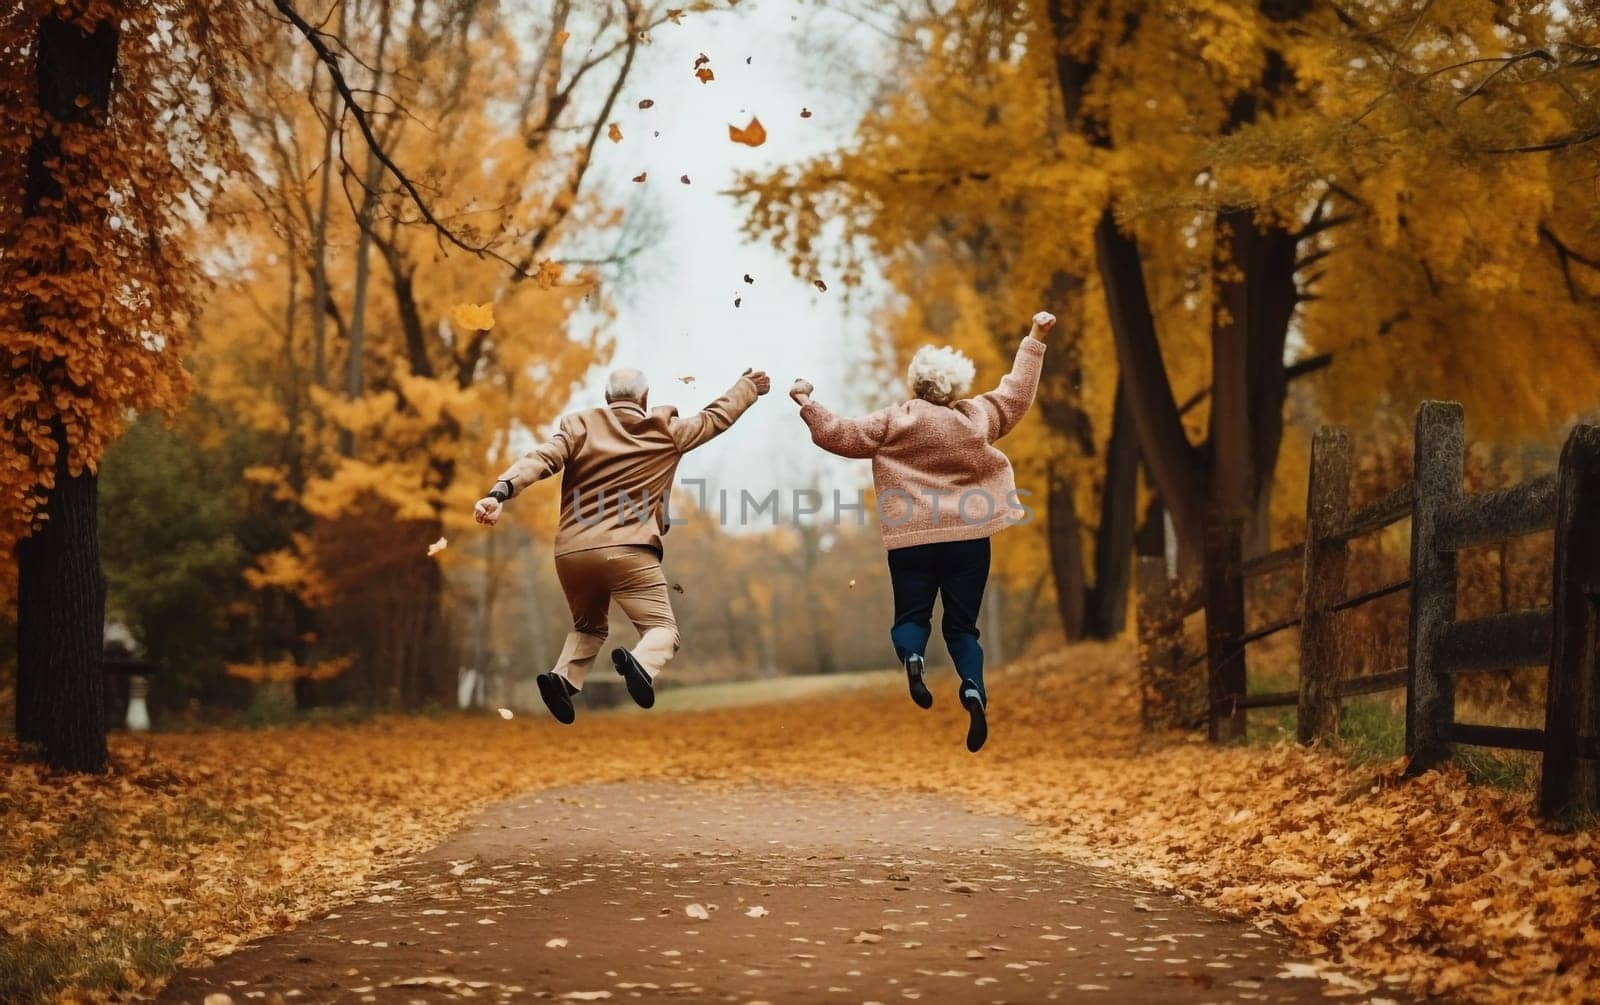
<point>639,686</point>
<point>557,695</point>
<point>978,728</point>
<point>919,688</point>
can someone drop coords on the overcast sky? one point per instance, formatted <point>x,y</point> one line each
<point>676,314</point>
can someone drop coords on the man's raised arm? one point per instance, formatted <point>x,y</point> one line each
<point>536,465</point>
<point>716,417</point>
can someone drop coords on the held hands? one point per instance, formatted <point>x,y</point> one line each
<point>487,512</point>
<point>1042,323</point>
<point>801,392</point>
<point>760,379</point>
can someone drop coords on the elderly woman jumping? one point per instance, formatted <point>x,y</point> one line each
<point>943,491</point>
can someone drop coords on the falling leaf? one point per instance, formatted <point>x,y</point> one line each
<point>686,380</point>
<point>614,133</point>
<point>675,15</point>
<point>472,317</point>
<point>556,944</point>
<point>701,60</point>
<point>752,135</point>
<point>737,300</point>
<point>505,713</point>
<point>647,103</point>
<point>698,912</point>
<point>684,179</point>
<point>819,284</point>
<point>438,546</point>
<point>705,75</point>
<point>82,101</point>
<point>640,176</point>
<point>805,113</point>
<point>748,279</point>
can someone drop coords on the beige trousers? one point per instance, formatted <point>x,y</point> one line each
<point>631,575</point>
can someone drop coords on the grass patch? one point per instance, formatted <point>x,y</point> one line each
<point>89,826</point>
<point>1372,729</point>
<point>37,970</point>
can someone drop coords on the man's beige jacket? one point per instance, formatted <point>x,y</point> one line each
<point>617,466</point>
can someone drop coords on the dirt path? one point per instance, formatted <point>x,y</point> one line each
<point>658,891</point>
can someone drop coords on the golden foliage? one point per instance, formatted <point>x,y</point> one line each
<point>102,280</point>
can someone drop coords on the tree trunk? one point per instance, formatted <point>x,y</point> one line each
<point>1066,553</point>
<point>61,614</point>
<point>60,587</point>
<point>1173,463</point>
<point>1106,606</point>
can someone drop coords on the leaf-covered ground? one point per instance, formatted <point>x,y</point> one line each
<point>199,842</point>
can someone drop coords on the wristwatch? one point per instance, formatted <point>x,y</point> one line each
<point>501,494</point>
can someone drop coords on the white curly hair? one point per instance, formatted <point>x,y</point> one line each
<point>940,374</point>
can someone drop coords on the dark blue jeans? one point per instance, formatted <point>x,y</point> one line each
<point>957,571</point>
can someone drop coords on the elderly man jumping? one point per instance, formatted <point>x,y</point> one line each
<point>617,466</point>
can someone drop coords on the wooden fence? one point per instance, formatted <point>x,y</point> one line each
<point>1444,521</point>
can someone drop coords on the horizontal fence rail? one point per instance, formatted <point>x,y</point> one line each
<point>1490,517</point>
<point>1496,642</point>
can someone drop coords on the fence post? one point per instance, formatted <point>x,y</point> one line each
<point>1437,470</point>
<point>1224,596</point>
<point>1572,695</point>
<point>1160,645</point>
<point>1326,552</point>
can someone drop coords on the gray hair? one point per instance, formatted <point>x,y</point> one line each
<point>940,374</point>
<point>627,384</point>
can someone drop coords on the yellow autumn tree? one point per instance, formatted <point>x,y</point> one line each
<point>1222,198</point>
<point>393,367</point>
<point>96,202</point>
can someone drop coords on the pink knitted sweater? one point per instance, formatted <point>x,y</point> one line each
<point>937,472</point>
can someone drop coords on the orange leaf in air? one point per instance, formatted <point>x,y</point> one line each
<point>701,60</point>
<point>646,103</point>
<point>615,133</point>
<point>687,380</point>
<point>819,284</point>
<point>752,135</point>
<point>640,176</point>
<point>705,75</point>
<point>805,113</point>
<point>675,15</point>
<point>684,179</point>
<point>473,317</point>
